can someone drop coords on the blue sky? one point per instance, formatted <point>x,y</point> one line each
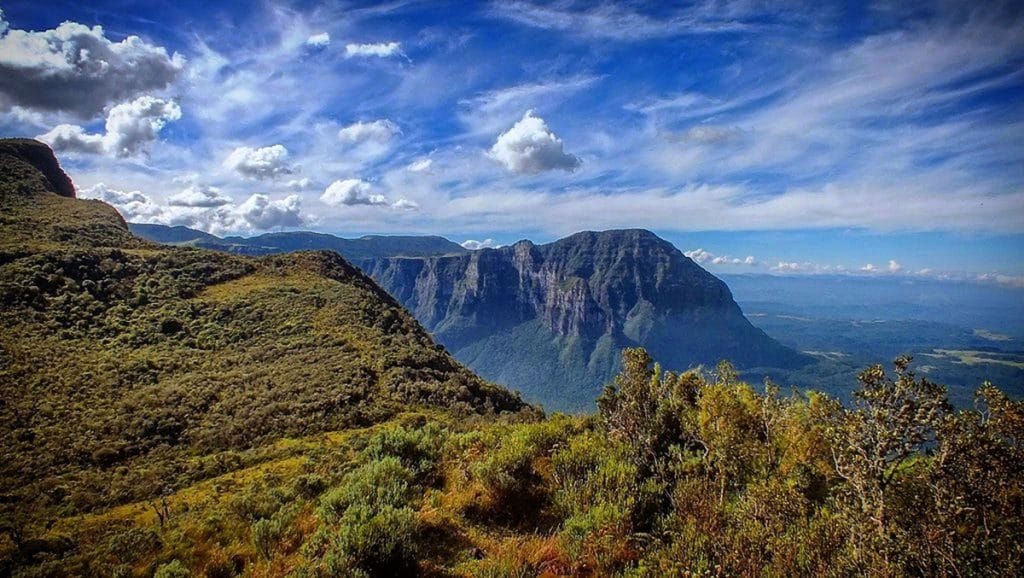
<point>803,137</point>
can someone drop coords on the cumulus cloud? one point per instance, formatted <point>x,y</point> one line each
<point>701,256</point>
<point>203,208</point>
<point>378,50</point>
<point>77,69</point>
<point>318,40</point>
<point>379,131</point>
<point>198,196</point>
<point>260,163</point>
<point>299,184</point>
<point>807,267</point>
<point>351,192</point>
<point>892,267</point>
<point>473,244</point>
<point>405,205</point>
<point>73,139</point>
<point>529,147</point>
<point>130,128</point>
<point>263,213</point>
<point>133,205</point>
<point>133,125</point>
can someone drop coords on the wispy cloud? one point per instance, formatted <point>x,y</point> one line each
<point>615,21</point>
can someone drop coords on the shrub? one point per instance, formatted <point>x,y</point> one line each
<point>172,569</point>
<point>377,484</point>
<point>373,542</point>
<point>417,449</point>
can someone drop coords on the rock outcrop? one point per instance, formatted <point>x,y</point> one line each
<point>575,303</point>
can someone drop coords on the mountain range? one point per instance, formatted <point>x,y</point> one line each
<point>548,320</point>
<point>173,411</point>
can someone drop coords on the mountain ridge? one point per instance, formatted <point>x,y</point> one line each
<point>284,242</point>
<point>549,319</point>
<point>575,303</point>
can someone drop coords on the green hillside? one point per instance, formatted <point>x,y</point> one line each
<point>130,370</point>
<point>173,412</point>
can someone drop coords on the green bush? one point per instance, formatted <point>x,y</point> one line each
<point>377,484</point>
<point>507,471</point>
<point>373,542</point>
<point>418,449</point>
<point>172,569</point>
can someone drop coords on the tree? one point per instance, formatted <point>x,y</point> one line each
<point>650,410</point>
<point>892,420</point>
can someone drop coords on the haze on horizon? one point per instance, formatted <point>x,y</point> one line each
<point>802,138</point>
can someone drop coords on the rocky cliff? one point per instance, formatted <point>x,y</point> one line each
<point>551,319</point>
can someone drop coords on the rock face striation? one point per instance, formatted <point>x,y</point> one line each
<point>551,319</point>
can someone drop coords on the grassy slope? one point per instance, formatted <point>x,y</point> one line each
<point>130,370</point>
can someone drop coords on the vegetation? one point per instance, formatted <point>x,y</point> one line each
<point>679,474</point>
<point>129,371</point>
<point>174,412</point>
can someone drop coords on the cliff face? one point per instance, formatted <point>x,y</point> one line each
<point>575,303</point>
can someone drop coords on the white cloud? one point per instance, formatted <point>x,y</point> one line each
<point>893,267</point>
<point>302,184</point>
<point>351,192</point>
<point>72,138</point>
<point>263,213</point>
<point>807,268</point>
<point>618,22</point>
<point>529,147</point>
<point>196,195</point>
<point>790,266</point>
<point>320,40</point>
<point>203,208</point>
<point>494,110</point>
<point>1013,281</point>
<point>379,131</point>
<point>420,165</point>
<point>260,163</point>
<point>133,125</point>
<point>405,205</point>
<point>379,50</point>
<point>707,134</point>
<point>133,205</point>
<point>701,256</point>
<point>76,69</point>
<point>130,128</point>
<point>474,245</point>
